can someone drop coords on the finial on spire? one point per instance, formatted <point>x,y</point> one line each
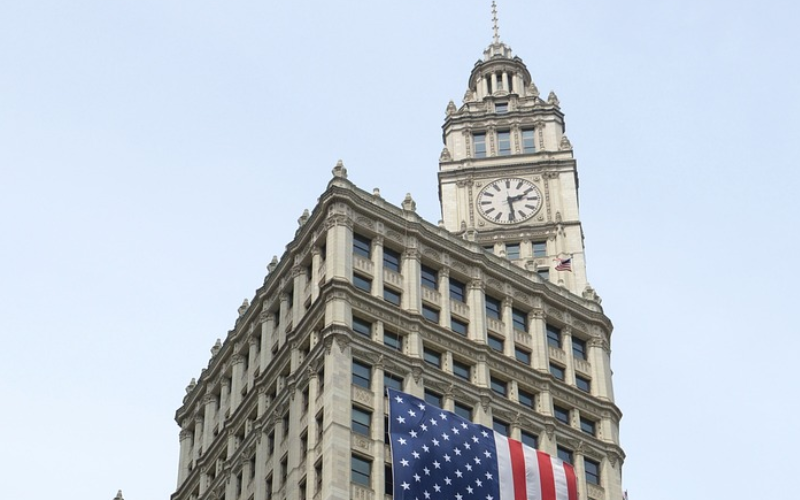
<point>495,27</point>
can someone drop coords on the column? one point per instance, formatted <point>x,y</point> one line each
<point>600,358</point>
<point>412,300</point>
<point>443,287</point>
<point>283,318</point>
<point>185,437</point>
<point>376,257</point>
<point>566,345</point>
<point>237,372</point>
<point>267,336</point>
<point>477,311</point>
<point>299,285</point>
<point>197,445</point>
<point>508,327</point>
<point>252,360</point>
<point>210,402</point>
<point>316,260</point>
<point>580,474</point>
<point>536,328</point>
<point>505,81</point>
<point>339,241</point>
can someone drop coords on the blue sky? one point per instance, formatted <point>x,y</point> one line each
<point>155,155</point>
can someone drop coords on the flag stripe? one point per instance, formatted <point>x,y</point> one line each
<point>518,468</point>
<point>534,485</point>
<point>505,477</point>
<point>560,478</point>
<point>571,482</point>
<point>546,476</point>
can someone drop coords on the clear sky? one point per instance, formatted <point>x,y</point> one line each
<point>155,155</point>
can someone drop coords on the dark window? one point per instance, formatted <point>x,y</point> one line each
<point>565,454</point>
<point>539,249</point>
<point>361,420</point>
<point>388,488</point>
<point>432,357</point>
<point>360,470</point>
<point>391,296</point>
<point>529,439</point>
<point>554,336</point>
<point>430,314</point>
<point>362,374</point>
<point>504,142</point>
<point>522,355</point>
<point>579,348</point>
<point>592,469</point>
<point>362,283</point>
<point>556,371</point>
<point>526,398</point>
<point>561,414</point>
<point>433,399</point>
<point>499,386</point>
<point>392,381</point>
<point>429,277</point>
<point>519,319</point>
<point>461,370</point>
<point>479,145</point>
<point>493,307</point>
<point>495,343</point>
<point>457,290</point>
<point>271,443</point>
<point>392,340</point>
<point>458,326</point>
<point>361,245</point>
<point>501,107</point>
<point>528,141</point>
<point>462,410</point>
<point>512,251</point>
<point>391,260</point>
<point>588,426</point>
<point>501,427</point>
<point>362,327</point>
<point>583,383</point>
<point>544,274</point>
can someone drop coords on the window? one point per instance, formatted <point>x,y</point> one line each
<point>303,490</point>
<point>318,476</point>
<point>432,357</point>
<point>360,470</point>
<point>458,326</point>
<point>388,488</point>
<point>522,355</point>
<point>271,443</point>
<point>361,245</point>
<point>457,290</point>
<point>501,107</point>
<point>433,399</point>
<point>588,426</point>
<point>269,487</point>
<point>544,274</point>
<point>519,319</point>
<point>504,142</point>
<point>501,427</point>
<point>528,141</point>
<point>561,414</point>
<point>554,336</point>
<point>499,386</point>
<point>493,307</point>
<point>565,454</point>
<point>526,398</point>
<point>392,381</point>
<point>284,469</point>
<point>392,340</point>
<point>362,283</point>
<point>430,313</point>
<point>361,420</point>
<point>579,348</point>
<point>479,145</point>
<point>583,383</point>
<point>285,421</point>
<point>462,410</point>
<point>556,371</point>
<point>592,469</point>
<point>362,374</point>
<point>391,296</point>
<point>391,260</point>
<point>495,343</point>
<point>429,277</point>
<point>529,439</point>
<point>512,251</point>
<point>362,327</point>
<point>461,370</point>
<point>539,248</point>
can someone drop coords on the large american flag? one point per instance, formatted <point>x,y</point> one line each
<point>437,455</point>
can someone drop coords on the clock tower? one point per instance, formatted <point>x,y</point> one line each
<point>507,175</point>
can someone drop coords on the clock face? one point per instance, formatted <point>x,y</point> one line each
<point>509,201</point>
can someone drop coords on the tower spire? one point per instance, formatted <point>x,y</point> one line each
<point>495,27</point>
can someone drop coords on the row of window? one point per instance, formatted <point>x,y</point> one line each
<point>503,142</point>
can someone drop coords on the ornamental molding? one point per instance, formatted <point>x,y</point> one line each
<point>365,222</point>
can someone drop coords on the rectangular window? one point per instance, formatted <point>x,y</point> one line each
<point>504,142</point>
<point>461,370</point>
<point>501,427</point>
<point>479,145</point>
<point>360,470</point>
<point>493,307</point>
<point>362,374</point>
<point>462,410</point>
<point>583,383</point>
<point>556,371</point>
<point>361,245</point>
<point>565,454</point>
<point>528,141</point>
<point>388,481</point>
<point>362,283</point>
<point>579,348</point>
<point>501,107</point>
<point>457,290</point>
<point>554,336</point>
<point>392,381</point>
<point>391,260</point>
<point>512,251</point>
<point>519,319</point>
<point>592,469</point>
<point>529,439</point>
<point>362,327</point>
<point>429,277</point>
<point>526,398</point>
<point>539,248</point>
<point>495,343</point>
<point>588,426</point>
<point>430,313</point>
<point>522,355</point>
<point>392,340</point>
<point>432,357</point>
<point>458,326</point>
<point>433,399</point>
<point>391,296</point>
<point>544,274</point>
<point>561,414</point>
<point>361,421</point>
<point>499,386</point>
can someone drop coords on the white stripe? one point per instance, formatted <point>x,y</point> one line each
<point>533,481</point>
<point>504,470</point>
<point>560,478</point>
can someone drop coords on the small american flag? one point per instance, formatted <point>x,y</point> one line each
<point>437,455</point>
<point>564,264</point>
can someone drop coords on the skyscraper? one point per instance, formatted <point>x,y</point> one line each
<point>487,313</point>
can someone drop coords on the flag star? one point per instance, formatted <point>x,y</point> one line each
<point>415,454</point>
<point>489,476</point>
<point>467,446</point>
<point>413,434</point>
<point>459,473</point>
<point>477,460</point>
<point>443,416</point>
<point>404,462</point>
<point>423,427</point>
<point>437,465</point>
<point>421,406</point>
<point>455,430</point>
<point>488,454</point>
<point>427,471</point>
<point>434,422</point>
<point>435,442</point>
<point>458,496</point>
<point>485,434</point>
<point>489,497</point>
<point>468,467</point>
<point>445,436</point>
<point>427,495</point>
<point>478,483</point>
<point>398,399</point>
<point>425,448</point>
<point>406,486</point>
<point>469,490</point>
<point>448,481</point>
<point>446,457</point>
<point>401,440</point>
<point>417,477</point>
<point>463,425</point>
<point>437,488</point>
<point>474,439</point>
<point>457,451</point>
<point>401,419</point>
<point>412,413</point>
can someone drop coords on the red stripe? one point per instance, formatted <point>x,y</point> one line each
<point>546,476</point>
<point>518,469</point>
<point>572,484</point>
